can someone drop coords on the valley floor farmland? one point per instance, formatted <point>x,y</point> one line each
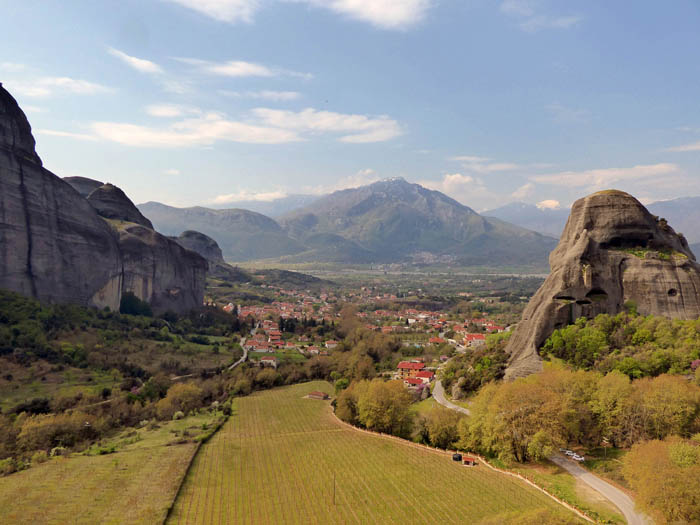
<point>135,485</point>
<point>276,459</point>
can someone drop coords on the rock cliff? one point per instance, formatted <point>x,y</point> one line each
<point>201,244</point>
<point>53,246</point>
<point>612,251</point>
<point>112,203</point>
<point>210,250</point>
<point>79,240</point>
<point>159,270</point>
<point>83,185</point>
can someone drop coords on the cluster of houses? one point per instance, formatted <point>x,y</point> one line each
<point>414,374</point>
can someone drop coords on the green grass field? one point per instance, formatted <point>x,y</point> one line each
<point>134,485</point>
<point>283,458</point>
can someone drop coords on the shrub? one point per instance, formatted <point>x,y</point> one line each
<point>39,456</point>
<point>132,305</point>
<point>178,415</point>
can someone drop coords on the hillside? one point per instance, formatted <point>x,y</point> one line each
<point>683,214</point>
<point>274,208</point>
<point>395,221</point>
<point>242,235</point>
<point>543,220</point>
<point>368,479</point>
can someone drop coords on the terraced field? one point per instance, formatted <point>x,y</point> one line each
<point>284,458</point>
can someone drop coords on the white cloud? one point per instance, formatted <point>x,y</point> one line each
<point>12,67</point>
<point>528,12</point>
<point>66,134</point>
<point>523,191</point>
<point>32,109</point>
<point>201,131</point>
<point>362,178</point>
<point>386,14</point>
<point>356,128</point>
<point>549,204</point>
<point>694,146</point>
<point>239,68</point>
<point>484,165</point>
<point>470,159</point>
<point>170,110</point>
<point>223,10</point>
<point>172,171</point>
<point>604,177</point>
<point>139,64</point>
<point>465,189</point>
<point>276,96</point>
<point>246,195</point>
<point>48,86</point>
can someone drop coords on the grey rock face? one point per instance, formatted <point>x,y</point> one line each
<point>160,271</point>
<point>612,251</point>
<point>56,247</point>
<point>53,246</point>
<point>202,244</point>
<point>83,185</point>
<point>112,203</point>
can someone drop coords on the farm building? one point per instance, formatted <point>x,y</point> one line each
<point>426,376</point>
<point>413,382</point>
<point>469,461</point>
<point>409,368</point>
<point>318,395</point>
<point>268,361</point>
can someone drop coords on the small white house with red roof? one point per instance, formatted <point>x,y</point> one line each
<point>268,361</point>
<point>472,340</point>
<point>426,376</point>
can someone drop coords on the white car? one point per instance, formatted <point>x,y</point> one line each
<point>569,452</point>
<point>576,457</point>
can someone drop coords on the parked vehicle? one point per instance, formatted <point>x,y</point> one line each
<point>569,452</point>
<point>456,457</point>
<point>576,457</point>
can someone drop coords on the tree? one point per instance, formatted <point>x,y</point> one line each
<point>383,407</point>
<point>666,476</point>
<point>132,305</point>
<point>442,426</point>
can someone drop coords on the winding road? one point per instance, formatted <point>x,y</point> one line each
<point>439,395</point>
<point>618,498</point>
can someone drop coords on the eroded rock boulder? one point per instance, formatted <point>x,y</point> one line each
<point>201,244</point>
<point>160,271</point>
<point>112,203</point>
<point>612,251</point>
<point>53,245</point>
<point>83,185</point>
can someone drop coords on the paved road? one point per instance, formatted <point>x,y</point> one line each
<point>618,498</point>
<point>621,500</point>
<point>245,352</point>
<point>439,395</point>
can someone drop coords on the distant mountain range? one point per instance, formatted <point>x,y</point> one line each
<point>544,220</point>
<point>682,214</point>
<point>388,221</point>
<point>242,235</point>
<point>274,208</point>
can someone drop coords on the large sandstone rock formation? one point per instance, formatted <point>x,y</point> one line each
<point>83,185</point>
<point>159,270</point>
<point>612,251</point>
<point>201,244</point>
<point>155,268</point>
<point>53,246</point>
<point>210,250</point>
<point>79,240</point>
<point>112,203</point>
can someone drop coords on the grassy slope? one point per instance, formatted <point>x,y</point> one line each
<point>134,485</point>
<point>276,459</point>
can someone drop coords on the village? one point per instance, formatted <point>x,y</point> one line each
<point>300,325</point>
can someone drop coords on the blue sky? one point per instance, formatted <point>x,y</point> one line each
<point>210,101</point>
